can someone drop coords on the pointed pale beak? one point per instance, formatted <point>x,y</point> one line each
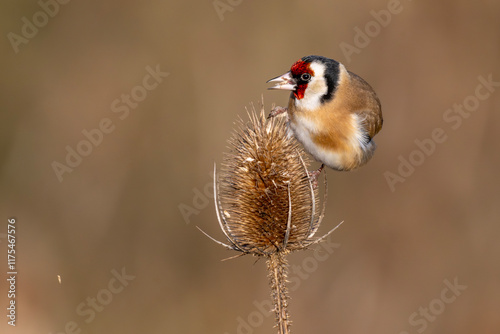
<point>284,82</point>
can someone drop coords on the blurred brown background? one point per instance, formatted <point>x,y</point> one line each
<point>120,208</point>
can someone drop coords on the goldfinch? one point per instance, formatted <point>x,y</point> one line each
<point>334,113</point>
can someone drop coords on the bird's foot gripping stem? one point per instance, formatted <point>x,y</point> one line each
<point>277,111</point>
<point>314,176</point>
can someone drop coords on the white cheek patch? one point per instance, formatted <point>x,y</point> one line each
<point>315,89</point>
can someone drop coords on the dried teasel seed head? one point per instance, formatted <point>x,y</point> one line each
<point>264,198</point>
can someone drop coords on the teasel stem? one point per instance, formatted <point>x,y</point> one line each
<point>265,202</point>
<point>277,265</point>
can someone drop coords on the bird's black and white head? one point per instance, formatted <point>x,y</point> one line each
<point>312,80</point>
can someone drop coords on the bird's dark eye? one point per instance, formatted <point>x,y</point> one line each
<point>305,77</point>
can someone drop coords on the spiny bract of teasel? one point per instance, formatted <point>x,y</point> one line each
<point>264,198</point>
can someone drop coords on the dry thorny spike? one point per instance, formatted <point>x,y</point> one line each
<point>265,201</point>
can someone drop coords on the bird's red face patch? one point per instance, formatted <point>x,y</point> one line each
<point>300,67</point>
